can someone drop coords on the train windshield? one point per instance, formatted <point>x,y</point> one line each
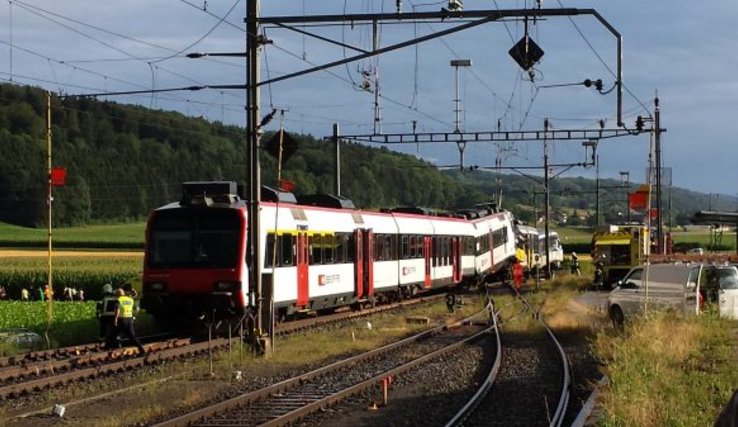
<point>194,238</point>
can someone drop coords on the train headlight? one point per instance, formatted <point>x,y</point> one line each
<point>227,286</point>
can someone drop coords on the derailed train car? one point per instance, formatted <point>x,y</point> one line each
<point>319,252</point>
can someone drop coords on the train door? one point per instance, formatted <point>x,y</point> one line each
<point>456,258</point>
<point>301,262</point>
<point>427,245</point>
<point>359,264</point>
<point>368,270</point>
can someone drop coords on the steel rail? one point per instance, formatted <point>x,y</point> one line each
<point>371,382</point>
<point>486,385</point>
<point>298,325</point>
<point>151,358</point>
<point>560,413</point>
<point>51,366</point>
<point>63,352</point>
<point>583,418</point>
<point>72,360</point>
<point>35,356</point>
<point>282,386</point>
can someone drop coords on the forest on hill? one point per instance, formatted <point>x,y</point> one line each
<point>122,161</point>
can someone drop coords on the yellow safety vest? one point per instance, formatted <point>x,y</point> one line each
<point>520,255</point>
<point>125,307</point>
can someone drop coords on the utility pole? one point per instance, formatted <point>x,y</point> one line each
<point>625,182</point>
<point>375,47</point>
<point>657,147</point>
<point>597,190</point>
<point>461,144</point>
<point>547,197</point>
<point>262,328</point>
<point>337,141</point>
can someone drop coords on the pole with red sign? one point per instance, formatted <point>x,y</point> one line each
<point>56,178</point>
<point>49,284</point>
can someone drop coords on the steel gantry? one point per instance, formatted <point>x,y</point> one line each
<point>259,294</point>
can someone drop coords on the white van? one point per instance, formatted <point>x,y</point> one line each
<point>661,286</point>
<point>719,285</point>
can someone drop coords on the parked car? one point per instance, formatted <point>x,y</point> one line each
<point>661,286</point>
<point>696,251</point>
<point>22,338</point>
<point>719,286</point>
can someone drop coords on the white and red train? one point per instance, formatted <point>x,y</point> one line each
<point>318,254</point>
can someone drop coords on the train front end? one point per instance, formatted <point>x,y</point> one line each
<point>195,254</point>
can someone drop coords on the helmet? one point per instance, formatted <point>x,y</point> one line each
<point>108,288</point>
<point>573,254</point>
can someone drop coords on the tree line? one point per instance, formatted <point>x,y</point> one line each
<point>122,161</point>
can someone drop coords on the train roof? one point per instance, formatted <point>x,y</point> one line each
<point>325,200</point>
<point>226,194</point>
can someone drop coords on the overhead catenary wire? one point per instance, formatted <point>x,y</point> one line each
<point>40,12</point>
<point>201,38</point>
<point>607,67</point>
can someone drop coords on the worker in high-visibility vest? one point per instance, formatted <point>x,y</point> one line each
<point>123,320</point>
<point>105,310</point>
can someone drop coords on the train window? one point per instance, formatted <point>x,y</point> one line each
<point>269,252</point>
<point>412,246</point>
<point>379,247</point>
<point>329,245</point>
<point>351,248</point>
<point>315,243</point>
<point>340,245</point>
<point>345,242</point>
<point>405,250</point>
<point>434,251</point>
<point>287,250</point>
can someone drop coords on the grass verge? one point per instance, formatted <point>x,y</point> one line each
<point>668,369</point>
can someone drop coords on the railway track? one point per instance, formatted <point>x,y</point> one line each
<point>302,395</point>
<point>474,388</point>
<point>39,370</point>
<point>531,380</point>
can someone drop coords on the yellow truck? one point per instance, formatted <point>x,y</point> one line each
<point>619,248</point>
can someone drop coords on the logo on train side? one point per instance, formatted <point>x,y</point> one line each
<point>328,279</point>
<point>408,270</point>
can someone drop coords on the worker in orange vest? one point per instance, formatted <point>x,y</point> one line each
<point>518,274</point>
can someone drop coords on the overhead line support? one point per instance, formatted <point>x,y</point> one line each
<point>486,136</point>
<point>482,16</point>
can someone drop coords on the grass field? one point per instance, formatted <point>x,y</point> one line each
<point>583,235</point>
<point>574,235</point>
<point>703,239</point>
<point>131,234</point>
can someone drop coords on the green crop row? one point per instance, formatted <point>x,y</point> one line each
<point>86,273</point>
<point>67,323</point>
<point>91,282</point>
<point>72,263</point>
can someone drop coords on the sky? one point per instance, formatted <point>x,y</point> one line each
<point>680,51</point>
